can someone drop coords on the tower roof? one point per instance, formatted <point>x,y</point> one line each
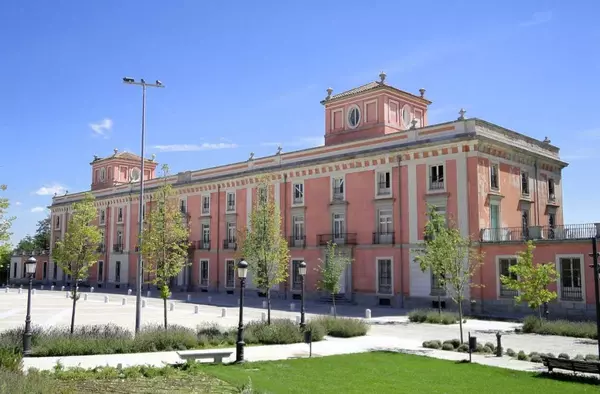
<point>371,86</point>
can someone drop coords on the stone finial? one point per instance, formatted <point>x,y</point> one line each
<point>279,149</point>
<point>462,113</point>
<point>251,156</point>
<point>96,157</point>
<point>547,140</point>
<point>413,124</point>
<point>66,192</point>
<point>116,151</point>
<point>55,194</point>
<point>329,91</point>
<point>152,157</point>
<point>422,92</point>
<point>382,76</point>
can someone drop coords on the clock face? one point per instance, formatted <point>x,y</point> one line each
<point>406,116</point>
<point>353,117</point>
<point>135,174</point>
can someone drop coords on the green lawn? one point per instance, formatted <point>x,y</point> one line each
<point>384,372</point>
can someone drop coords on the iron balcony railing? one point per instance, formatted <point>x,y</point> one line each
<point>297,241</point>
<point>118,248</point>
<point>534,233</point>
<point>101,248</point>
<point>571,294</point>
<point>340,239</point>
<point>436,185</point>
<point>203,244</point>
<point>508,293</point>
<point>383,238</point>
<point>229,244</point>
<point>338,193</point>
<point>383,189</point>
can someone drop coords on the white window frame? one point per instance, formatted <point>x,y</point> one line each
<point>528,183</point>
<point>582,269</point>
<point>551,196</point>
<point>292,260</point>
<point>332,186</point>
<point>360,116</point>
<point>389,216</point>
<point>366,115</point>
<point>498,283</point>
<point>103,174</point>
<point>495,204</point>
<point>227,209</point>
<point>231,225</point>
<point>227,261</point>
<point>406,107</point>
<point>294,234</point>
<point>102,217</point>
<point>119,214</point>
<point>377,260</point>
<point>492,165</point>
<point>57,222</point>
<point>429,181</point>
<point>378,193</point>
<point>300,202</point>
<point>344,224</point>
<point>204,226</point>
<point>119,232</point>
<point>206,212</point>
<point>207,261</point>
<point>183,204</point>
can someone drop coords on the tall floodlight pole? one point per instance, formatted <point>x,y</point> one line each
<point>139,271</point>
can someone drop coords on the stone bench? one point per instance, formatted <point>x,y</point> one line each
<point>216,356</point>
<point>571,365</point>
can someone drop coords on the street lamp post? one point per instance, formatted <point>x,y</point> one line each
<point>30,269</point>
<point>594,255</point>
<point>139,272</point>
<point>302,273</point>
<point>239,348</point>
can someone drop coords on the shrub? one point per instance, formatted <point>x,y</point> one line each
<point>591,357</point>
<point>490,345</point>
<point>32,383</point>
<point>564,356</point>
<point>582,329</point>
<point>450,343</point>
<point>579,357</point>
<point>479,348</point>
<point>447,346</point>
<point>533,354</point>
<point>10,360</point>
<point>510,352</point>
<point>487,349</point>
<point>551,355</point>
<point>456,343</point>
<point>432,344</point>
<point>155,338</point>
<point>522,356</point>
<point>536,358</point>
<point>432,316</point>
<point>463,348</point>
<point>342,327</point>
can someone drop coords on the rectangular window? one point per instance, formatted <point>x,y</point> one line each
<point>386,226</point>
<point>205,236</point>
<point>45,271</point>
<point>503,266</point>
<point>15,268</point>
<point>524,183</point>
<point>119,215</point>
<point>384,183</point>
<point>230,274</point>
<point>437,288</point>
<point>339,228</point>
<point>494,176</point>
<point>119,239</point>
<point>296,279</point>
<point>204,273</point>
<point>436,177</point>
<point>525,222</point>
<point>206,205</point>
<point>338,188</point>
<point>183,206</point>
<point>230,201</point>
<point>118,271</point>
<point>298,193</point>
<point>570,278</point>
<point>551,194</point>
<point>298,229</point>
<point>384,276</point>
<point>231,232</point>
<point>102,216</point>
<point>57,222</point>
<point>144,212</point>
<point>100,271</point>
<point>54,271</point>
<point>494,216</point>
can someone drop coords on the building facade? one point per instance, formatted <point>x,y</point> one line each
<point>367,189</point>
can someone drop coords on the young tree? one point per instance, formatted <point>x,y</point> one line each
<point>331,270</point>
<point>26,244</point>
<point>165,240</point>
<point>451,256</point>
<point>5,224</point>
<point>41,238</point>
<point>78,250</point>
<point>531,280</point>
<point>263,246</point>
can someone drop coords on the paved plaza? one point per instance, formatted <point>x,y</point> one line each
<point>390,328</point>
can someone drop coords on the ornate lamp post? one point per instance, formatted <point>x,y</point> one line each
<point>302,273</point>
<point>30,265</point>
<point>239,348</point>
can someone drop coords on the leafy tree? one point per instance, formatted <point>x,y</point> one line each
<point>263,246</point>
<point>331,270</point>
<point>531,280</point>
<point>165,239</point>
<point>42,234</point>
<point>452,257</point>
<point>27,245</point>
<point>78,250</point>
<point>5,224</point>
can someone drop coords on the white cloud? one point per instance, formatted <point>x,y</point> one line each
<point>194,147</point>
<point>50,190</point>
<point>17,203</point>
<point>306,142</point>
<point>38,209</point>
<point>538,18</point>
<point>102,128</point>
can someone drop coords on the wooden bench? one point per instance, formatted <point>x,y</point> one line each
<point>216,356</point>
<point>571,365</point>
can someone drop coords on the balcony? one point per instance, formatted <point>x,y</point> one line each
<point>383,238</point>
<point>229,244</point>
<point>118,248</point>
<point>383,189</point>
<point>339,239</point>
<point>435,185</point>
<point>203,244</point>
<point>571,294</point>
<point>338,193</point>
<point>230,207</point>
<point>507,293</point>
<point>101,248</point>
<point>297,241</point>
<point>540,233</point>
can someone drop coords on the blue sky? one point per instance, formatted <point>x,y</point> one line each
<point>242,76</point>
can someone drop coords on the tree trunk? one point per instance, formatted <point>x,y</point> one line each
<point>439,304</point>
<point>165,311</point>
<point>333,302</point>
<point>540,312</point>
<point>269,306</point>
<point>460,321</point>
<point>74,295</point>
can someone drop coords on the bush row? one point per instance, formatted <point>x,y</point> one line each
<point>534,325</point>
<point>432,316</point>
<point>112,339</point>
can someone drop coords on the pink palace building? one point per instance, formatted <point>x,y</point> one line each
<point>366,189</point>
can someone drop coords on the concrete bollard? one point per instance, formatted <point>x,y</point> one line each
<point>124,301</point>
<point>332,310</point>
<point>264,304</point>
<point>196,309</point>
<point>42,287</point>
<point>128,291</point>
<point>20,290</point>
<point>91,289</point>
<point>20,287</point>
<point>209,300</point>
<point>223,312</point>
<point>106,299</point>
<point>143,303</point>
<point>77,288</point>
<point>67,294</point>
<point>62,288</point>
<point>263,316</point>
<point>297,319</point>
<point>367,313</point>
<point>189,298</point>
<point>292,306</point>
<point>238,302</point>
<point>6,290</point>
<point>33,291</point>
<point>85,297</point>
<point>148,293</point>
<point>171,306</point>
<point>52,288</point>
